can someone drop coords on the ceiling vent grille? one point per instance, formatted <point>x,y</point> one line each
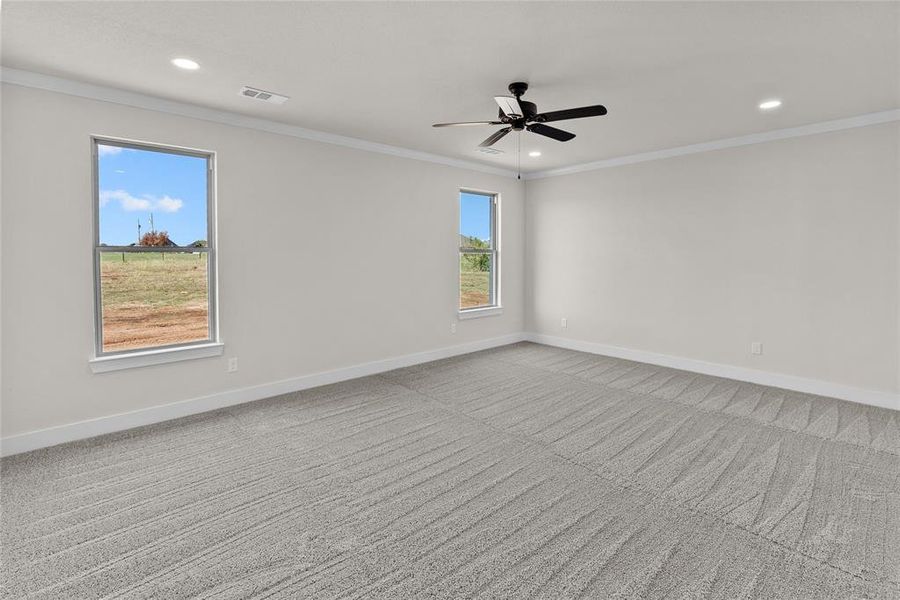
<point>270,97</point>
<point>489,150</point>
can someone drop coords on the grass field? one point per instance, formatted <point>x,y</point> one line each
<point>153,299</point>
<point>157,298</point>
<point>474,284</point>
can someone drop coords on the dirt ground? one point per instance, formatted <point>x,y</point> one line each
<point>474,289</point>
<point>127,327</point>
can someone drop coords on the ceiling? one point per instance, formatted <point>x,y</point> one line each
<point>670,73</point>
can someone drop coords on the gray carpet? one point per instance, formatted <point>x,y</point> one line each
<point>520,472</point>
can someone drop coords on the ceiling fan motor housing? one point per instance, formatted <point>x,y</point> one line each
<point>530,110</point>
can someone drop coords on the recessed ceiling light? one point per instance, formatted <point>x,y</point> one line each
<point>769,104</point>
<point>185,63</point>
<point>534,153</point>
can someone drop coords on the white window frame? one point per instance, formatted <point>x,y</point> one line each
<point>123,359</point>
<point>496,306</point>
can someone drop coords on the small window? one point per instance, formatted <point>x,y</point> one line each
<point>479,264</point>
<point>154,247</point>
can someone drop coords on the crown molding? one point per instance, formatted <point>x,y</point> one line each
<point>72,87</point>
<point>865,120</point>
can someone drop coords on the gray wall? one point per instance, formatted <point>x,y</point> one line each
<point>791,243</point>
<point>329,257</point>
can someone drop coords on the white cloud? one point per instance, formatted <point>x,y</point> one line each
<point>125,200</point>
<point>131,203</point>
<point>108,150</point>
<point>167,204</point>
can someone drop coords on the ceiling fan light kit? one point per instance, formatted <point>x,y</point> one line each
<point>519,115</point>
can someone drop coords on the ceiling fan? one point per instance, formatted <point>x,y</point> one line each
<point>517,114</point>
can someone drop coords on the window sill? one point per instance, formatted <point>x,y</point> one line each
<point>477,313</point>
<point>146,358</point>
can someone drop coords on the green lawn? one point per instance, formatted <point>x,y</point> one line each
<point>152,278</point>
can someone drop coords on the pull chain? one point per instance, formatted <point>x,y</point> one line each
<point>519,155</point>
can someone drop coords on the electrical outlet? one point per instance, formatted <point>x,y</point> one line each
<point>564,323</point>
<point>232,364</point>
<point>452,328</point>
<point>756,348</point>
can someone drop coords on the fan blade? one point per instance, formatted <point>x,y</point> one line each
<point>510,106</point>
<point>495,137</point>
<point>467,123</point>
<point>571,113</point>
<point>551,132</point>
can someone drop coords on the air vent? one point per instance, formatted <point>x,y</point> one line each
<point>270,97</point>
<point>488,150</point>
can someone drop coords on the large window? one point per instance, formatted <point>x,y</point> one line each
<point>479,264</point>
<point>154,247</point>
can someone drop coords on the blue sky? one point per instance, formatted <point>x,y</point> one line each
<point>475,215</point>
<point>135,183</point>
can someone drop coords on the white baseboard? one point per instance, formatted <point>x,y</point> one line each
<point>52,436</point>
<point>788,382</point>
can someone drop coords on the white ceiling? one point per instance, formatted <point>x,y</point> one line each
<point>670,73</point>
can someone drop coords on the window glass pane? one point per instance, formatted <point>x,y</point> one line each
<point>475,280</point>
<point>153,299</point>
<point>474,220</point>
<point>151,198</point>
